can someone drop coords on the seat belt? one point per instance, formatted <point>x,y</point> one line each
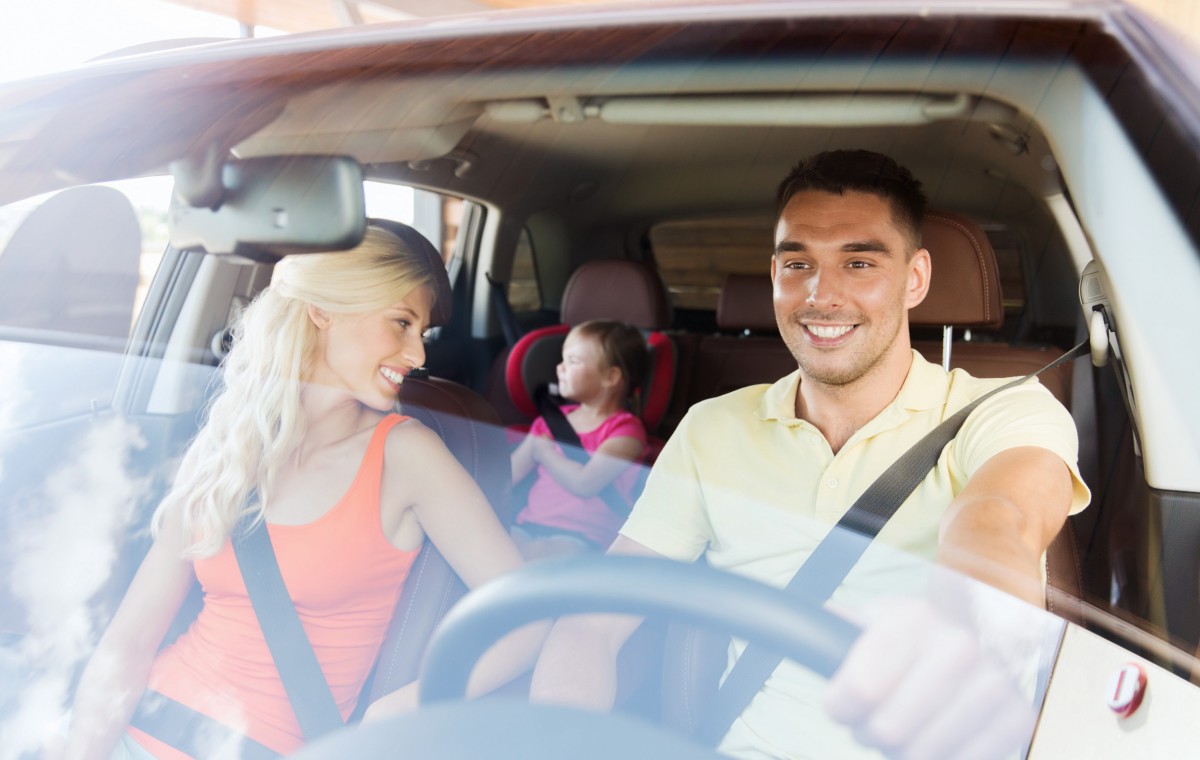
<point>560,428</point>
<point>305,684</point>
<point>504,311</point>
<point>308,692</point>
<point>836,554</point>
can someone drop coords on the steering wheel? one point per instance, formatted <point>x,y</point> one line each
<point>448,727</point>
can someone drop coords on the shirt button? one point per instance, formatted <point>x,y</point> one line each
<point>815,440</point>
<point>832,483</point>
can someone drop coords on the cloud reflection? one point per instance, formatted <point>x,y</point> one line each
<point>71,529</point>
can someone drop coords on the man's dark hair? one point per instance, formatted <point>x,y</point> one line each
<point>865,171</point>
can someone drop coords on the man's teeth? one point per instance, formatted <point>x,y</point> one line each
<point>392,375</point>
<point>822,331</point>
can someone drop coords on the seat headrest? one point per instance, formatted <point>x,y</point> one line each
<point>630,291</point>
<point>746,303</point>
<point>965,288</point>
<point>419,245</point>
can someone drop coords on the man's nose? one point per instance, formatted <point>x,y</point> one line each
<point>825,289</point>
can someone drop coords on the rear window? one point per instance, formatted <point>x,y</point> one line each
<point>694,256</point>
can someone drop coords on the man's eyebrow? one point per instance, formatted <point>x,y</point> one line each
<point>869,245</point>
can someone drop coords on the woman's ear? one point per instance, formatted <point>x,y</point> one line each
<point>319,317</point>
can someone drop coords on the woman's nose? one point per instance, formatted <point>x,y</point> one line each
<point>415,352</point>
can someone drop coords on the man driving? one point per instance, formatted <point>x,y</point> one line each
<point>754,480</point>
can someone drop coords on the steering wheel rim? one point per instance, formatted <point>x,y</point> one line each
<point>451,728</point>
<point>803,631</point>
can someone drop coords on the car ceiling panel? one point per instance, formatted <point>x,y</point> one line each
<point>119,97</point>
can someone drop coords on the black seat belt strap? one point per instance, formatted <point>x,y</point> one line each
<point>840,550</point>
<point>301,674</point>
<point>504,311</point>
<point>179,726</point>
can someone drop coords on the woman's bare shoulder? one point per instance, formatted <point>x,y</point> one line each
<point>411,441</point>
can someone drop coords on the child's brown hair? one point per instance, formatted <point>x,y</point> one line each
<point>622,346</point>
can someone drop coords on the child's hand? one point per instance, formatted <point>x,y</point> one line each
<point>542,448</point>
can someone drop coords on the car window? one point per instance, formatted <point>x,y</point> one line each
<point>434,215</point>
<point>75,267</point>
<point>695,255</point>
<point>524,290</point>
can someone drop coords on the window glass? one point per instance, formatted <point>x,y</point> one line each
<point>79,261</point>
<point>695,255</point>
<point>75,267</point>
<point>434,215</point>
<point>524,292</point>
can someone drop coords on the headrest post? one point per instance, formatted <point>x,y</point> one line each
<point>947,337</point>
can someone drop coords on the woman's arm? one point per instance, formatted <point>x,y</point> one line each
<point>612,458</point>
<point>116,674</point>
<point>457,518</point>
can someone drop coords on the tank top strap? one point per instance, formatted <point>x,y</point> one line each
<point>370,472</point>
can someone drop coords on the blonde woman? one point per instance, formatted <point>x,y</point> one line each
<point>348,492</point>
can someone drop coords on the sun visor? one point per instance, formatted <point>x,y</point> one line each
<point>267,207</point>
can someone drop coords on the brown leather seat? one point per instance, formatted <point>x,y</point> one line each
<point>472,431</point>
<point>964,293</point>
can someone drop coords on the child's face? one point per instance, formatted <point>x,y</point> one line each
<point>583,375</point>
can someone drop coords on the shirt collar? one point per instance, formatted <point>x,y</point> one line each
<point>924,388</point>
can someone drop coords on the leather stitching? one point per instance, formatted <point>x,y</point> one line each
<point>987,291</point>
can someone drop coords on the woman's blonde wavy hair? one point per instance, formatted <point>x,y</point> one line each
<point>255,421</point>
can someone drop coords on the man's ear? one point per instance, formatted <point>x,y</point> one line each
<point>319,317</point>
<point>920,272</point>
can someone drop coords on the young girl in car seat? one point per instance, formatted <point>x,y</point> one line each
<point>301,437</point>
<point>573,506</point>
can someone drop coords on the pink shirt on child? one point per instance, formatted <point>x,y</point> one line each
<point>555,507</point>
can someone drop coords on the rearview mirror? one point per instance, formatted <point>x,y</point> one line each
<point>272,206</point>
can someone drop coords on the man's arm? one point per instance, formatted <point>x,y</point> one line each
<point>578,664</point>
<point>1001,523</point>
<point>917,682</point>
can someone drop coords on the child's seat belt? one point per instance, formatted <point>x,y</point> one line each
<point>833,558</point>
<point>560,428</point>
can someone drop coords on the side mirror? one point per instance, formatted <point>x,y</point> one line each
<point>268,207</point>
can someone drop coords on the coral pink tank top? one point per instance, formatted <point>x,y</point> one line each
<point>344,577</point>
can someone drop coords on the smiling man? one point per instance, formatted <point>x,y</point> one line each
<point>754,480</point>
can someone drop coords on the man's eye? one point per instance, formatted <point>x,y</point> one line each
<point>859,264</point>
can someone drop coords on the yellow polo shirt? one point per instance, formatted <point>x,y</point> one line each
<point>746,483</point>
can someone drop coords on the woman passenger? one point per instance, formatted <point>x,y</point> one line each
<point>301,436</point>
